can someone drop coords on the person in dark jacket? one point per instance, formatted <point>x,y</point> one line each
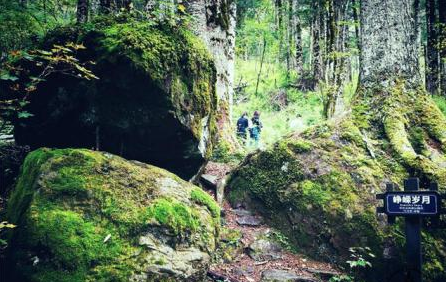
<point>256,128</point>
<point>242,126</point>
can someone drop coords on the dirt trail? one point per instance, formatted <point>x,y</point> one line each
<point>256,254</point>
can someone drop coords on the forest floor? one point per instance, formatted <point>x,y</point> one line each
<point>259,253</point>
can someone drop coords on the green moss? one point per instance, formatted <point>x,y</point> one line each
<point>74,243</point>
<point>314,193</point>
<point>203,198</point>
<point>417,137</point>
<point>24,190</point>
<point>300,146</point>
<point>350,132</point>
<point>69,201</point>
<point>173,214</point>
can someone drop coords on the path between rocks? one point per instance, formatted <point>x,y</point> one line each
<point>252,252</point>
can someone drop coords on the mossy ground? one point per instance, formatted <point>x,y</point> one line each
<point>81,214</point>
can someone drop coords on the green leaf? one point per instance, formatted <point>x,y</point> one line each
<point>23,103</point>
<point>36,79</point>
<point>24,115</point>
<point>181,8</point>
<point>8,76</point>
<point>5,224</point>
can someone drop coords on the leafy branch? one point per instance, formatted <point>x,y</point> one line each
<point>24,71</point>
<point>359,259</point>
<point>3,226</point>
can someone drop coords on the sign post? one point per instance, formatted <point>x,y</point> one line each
<point>413,204</point>
<point>413,234</point>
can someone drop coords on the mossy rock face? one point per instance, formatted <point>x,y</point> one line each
<point>154,101</point>
<point>319,189</point>
<point>91,216</point>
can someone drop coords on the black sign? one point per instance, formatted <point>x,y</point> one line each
<point>411,203</point>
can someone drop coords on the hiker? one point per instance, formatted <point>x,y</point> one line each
<point>242,125</point>
<point>256,128</point>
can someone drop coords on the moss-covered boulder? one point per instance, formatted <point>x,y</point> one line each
<point>319,188</point>
<point>90,216</point>
<point>154,100</point>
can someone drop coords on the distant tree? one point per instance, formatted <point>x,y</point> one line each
<point>432,59</point>
<point>105,6</point>
<point>82,11</point>
<point>442,44</point>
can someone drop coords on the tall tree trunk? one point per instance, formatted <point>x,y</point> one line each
<point>299,65</point>
<point>432,63</point>
<point>82,11</point>
<point>316,40</point>
<point>442,46</point>
<point>391,86</point>
<point>280,28</point>
<point>261,65</point>
<point>105,6</point>
<point>388,42</point>
<point>220,41</point>
<point>290,37</point>
<point>123,4</point>
<point>342,54</point>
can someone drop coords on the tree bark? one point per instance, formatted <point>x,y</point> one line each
<point>432,63</point>
<point>82,11</point>
<point>299,65</point>
<point>219,37</point>
<point>391,87</point>
<point>261,65</point>
<point>290,37</point>
<point>105,6</point>
<point>123,4</point>
<point>280,27</point>
<point>316,38</point>
<point>388,42</point>
<point>442,40</point>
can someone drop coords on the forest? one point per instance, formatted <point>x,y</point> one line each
<point>223,140</point>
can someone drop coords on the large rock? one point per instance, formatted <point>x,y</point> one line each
<point>319,189</point>
<point>155,99</point>
<point>90,216</point>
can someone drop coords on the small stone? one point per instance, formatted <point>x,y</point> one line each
<point>278,275</point>
<point>242,212</point>
<point>210,180</point>
<point>243,271</point>
<point>323,273</point>
<point>249,220</point>
<point>264,250</point>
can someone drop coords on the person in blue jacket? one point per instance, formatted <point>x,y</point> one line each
<point>242,126</point>
<point>256,128</point>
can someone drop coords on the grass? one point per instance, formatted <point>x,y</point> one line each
<point>441,103</point>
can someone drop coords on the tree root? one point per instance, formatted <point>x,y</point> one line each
<point>433,121</point>
<point>395,128</point>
